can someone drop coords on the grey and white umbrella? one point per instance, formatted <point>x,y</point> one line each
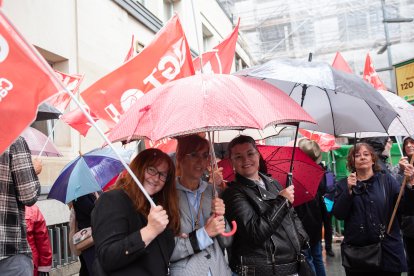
<point>339,102</point>
<point>402,125</point>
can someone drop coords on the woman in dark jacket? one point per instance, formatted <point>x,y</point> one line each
<point>407,220</point>
<point>269,234</point>
<point>131,237</point>
<point>83,207</point>
<point>365,201</point>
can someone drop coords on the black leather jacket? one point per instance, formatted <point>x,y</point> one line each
<point>265,220</point>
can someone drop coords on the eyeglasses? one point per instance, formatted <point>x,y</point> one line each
<point>359,188</point>
<point>203,156</point>
<point>250,155</point>
<point>153,171</point>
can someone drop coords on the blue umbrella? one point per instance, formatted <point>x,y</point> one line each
<point>88,173</point>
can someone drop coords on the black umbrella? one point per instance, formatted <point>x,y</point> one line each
<point>46,111</point>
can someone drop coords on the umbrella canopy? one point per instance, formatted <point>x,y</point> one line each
<point>306,173</point>
<point>206,103</point>
<point>46,111</point>
<point>403,125</point>
<point>339,102</point>
<point>37,141</point>
<point>88,173</point>
<point>226,136</point>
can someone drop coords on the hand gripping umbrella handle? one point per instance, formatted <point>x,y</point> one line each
<point>231,233</point>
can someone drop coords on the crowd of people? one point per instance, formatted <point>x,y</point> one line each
<point>184,234</point>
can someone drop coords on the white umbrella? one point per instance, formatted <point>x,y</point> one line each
<point>402,125</point>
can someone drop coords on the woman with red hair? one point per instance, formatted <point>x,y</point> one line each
<point>131,237</point>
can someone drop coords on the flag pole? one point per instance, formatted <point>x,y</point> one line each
<point>127,168</point>
<point>57,82</point>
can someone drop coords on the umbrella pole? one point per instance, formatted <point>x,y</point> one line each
<point>289,175</point>
<point>101,133</point>
<point>47,140</point>
<point>399,143</point>
<point>215,194</point>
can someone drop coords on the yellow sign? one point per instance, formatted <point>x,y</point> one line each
<point>404,76</point>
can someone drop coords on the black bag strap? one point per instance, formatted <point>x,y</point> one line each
<point>385,209</point>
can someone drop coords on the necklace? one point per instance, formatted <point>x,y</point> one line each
<point>196,223</point>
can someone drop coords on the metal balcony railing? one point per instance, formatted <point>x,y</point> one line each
<point>59,239</point>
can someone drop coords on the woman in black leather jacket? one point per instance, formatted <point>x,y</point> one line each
<point>269,235</point>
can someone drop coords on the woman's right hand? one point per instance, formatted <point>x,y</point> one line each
<point>352,181</point>
<point>157,222</point>
<point>288,193</point>
<point>157,219</point>
<point>215,225</point>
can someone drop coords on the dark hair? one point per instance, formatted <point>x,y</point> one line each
<point>350,164</point>
<point>244,139</point>
<point>406,139</point>
<point>189,144</point>
<point>167,197</point>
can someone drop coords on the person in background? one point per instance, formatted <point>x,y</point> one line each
<point>83,207</point>
<point>20,187</point>
<point>311,212</point>
<point>382,147</point>
<point>365,201</point>
<point>38,238</point>
<point>269,235</point>
<point>407,220</point>
<point>329,194</point>
<point>131,237</point>
<point>38,235</point>
<point>199,250</point>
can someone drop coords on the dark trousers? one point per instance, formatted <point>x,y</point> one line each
<point>376,273</point>
<point>409,253</point>
<point>87,258</point>
<point>328,231</point>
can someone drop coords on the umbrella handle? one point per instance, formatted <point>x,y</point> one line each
<point>231,233</point>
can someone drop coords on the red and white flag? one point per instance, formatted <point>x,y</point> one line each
<point>72,83</point>
<point>26,80</point>
<point>167,58</point>
<point>341,64</point>
<point>220,59</point>
<point>77,120</point>
<point>131,51</point>
<point>371,76</point>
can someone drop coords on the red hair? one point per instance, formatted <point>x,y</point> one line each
<point>167,197</point>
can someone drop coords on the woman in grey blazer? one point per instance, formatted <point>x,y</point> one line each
<point>199,248</point>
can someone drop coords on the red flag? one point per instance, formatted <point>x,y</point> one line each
<point>71,82</point>
<point>371,76</point>
<point>220,59</point>
<point>167,145</point>
<point>131,51</point>
<point>167,58</point>
<point>325,141</point>
<point>26,80</point>
<point>77,120</point>
<point>341,64</point>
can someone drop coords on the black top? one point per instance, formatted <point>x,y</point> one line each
<point>118,243</point>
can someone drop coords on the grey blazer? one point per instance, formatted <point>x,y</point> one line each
<point>186,262</point>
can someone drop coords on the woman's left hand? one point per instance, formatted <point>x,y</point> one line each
<point>218,207</point>
<point>408,170</point>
